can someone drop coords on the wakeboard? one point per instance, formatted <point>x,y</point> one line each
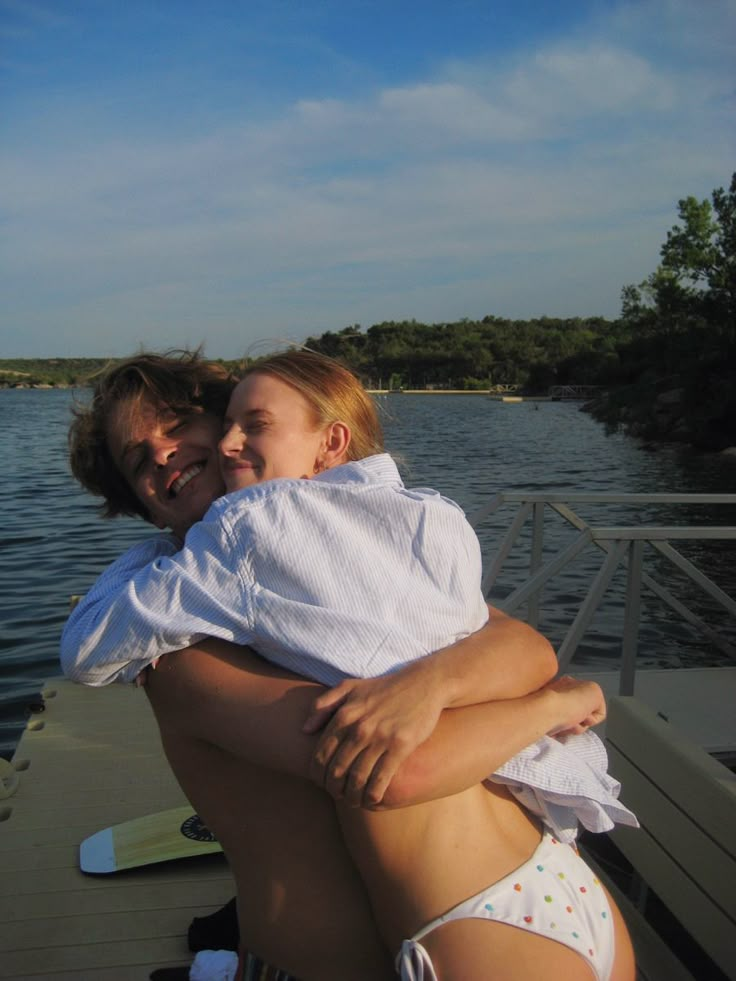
<point>159,837</point>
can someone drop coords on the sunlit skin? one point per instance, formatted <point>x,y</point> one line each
<point>270,432</point>
<point>170,461</point>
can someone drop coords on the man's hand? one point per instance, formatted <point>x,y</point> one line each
<point>370,727</point>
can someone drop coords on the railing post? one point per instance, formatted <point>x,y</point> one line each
<point>631,619</point>
<point>536,560</point>
<point>505,547</point>
<point>620,544</point>
<point>589,605</point>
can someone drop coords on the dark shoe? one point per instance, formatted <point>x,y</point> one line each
<point>218,931</point>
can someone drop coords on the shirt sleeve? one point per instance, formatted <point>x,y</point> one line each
<point>140,609</point>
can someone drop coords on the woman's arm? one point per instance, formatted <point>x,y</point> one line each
<point>480,734</point>
<point>85,657</point>
<point>229,697</point>
<point>156,600</point>
<point>372,725</point>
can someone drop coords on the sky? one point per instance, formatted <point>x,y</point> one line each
<point>244,173</point>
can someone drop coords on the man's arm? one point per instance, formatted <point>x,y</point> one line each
<point>231,698</point>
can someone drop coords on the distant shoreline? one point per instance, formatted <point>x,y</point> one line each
<point>494,396</point>
<point>428,391</point>
<point>371,391</point>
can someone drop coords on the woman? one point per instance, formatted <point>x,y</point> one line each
<point>489,818</point>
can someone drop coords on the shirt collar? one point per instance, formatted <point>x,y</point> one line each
<point>372,469</point>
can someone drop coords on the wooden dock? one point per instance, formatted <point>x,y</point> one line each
<point>699,701</point>
<point>76,771</point>
<point>93,759</point>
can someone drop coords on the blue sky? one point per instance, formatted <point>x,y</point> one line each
<point>242,172</point>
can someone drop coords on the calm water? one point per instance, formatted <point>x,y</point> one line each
<point>54,544</point>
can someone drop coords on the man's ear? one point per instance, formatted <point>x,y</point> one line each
<point>336,441</point>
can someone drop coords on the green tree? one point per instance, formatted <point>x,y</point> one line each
<point>695,283</point>
<point>701,254</point>
<point>681,327</point>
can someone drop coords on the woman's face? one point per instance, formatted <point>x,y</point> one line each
<point>269,432</point>
<point>170,461</point>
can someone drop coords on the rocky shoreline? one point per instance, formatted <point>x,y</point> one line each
<point>667,418</point>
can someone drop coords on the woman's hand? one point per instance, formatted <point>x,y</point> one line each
<point>370,727</point>
<point>585,705</point>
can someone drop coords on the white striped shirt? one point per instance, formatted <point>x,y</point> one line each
<point>349,574</point>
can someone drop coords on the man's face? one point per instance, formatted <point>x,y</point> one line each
<point>170,461</point>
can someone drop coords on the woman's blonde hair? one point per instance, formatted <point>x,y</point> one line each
<point>333,393</point>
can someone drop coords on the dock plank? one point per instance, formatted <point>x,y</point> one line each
<point>698,701</point>
<point>78,773</point>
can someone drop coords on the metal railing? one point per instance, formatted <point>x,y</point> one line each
<point>574,391</point>
<point>504,389</point>
<point>621,546</point>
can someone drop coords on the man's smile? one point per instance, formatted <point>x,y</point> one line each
<point>183,479</point>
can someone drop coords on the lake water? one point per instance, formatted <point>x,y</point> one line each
<point>53,544</point>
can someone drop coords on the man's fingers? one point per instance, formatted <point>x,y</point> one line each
<point>377,785</point>
<point>340,764</point>
<point>359,777</point>
<point>326,749</point>
<point>323,709</point>
<point>317,719</point>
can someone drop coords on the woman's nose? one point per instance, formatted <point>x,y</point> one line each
<point>232,441</point>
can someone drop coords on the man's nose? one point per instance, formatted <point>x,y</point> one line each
<point>162,450</point>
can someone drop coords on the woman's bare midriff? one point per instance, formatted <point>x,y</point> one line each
<point>471,839</point>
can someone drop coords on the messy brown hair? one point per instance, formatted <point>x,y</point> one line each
<point>182,382</point>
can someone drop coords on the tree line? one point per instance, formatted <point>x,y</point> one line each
<point>465,354</point>
<point>476,354</point>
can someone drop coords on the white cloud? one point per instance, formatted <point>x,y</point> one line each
<point>453,111</point>
<point>577,83</point>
